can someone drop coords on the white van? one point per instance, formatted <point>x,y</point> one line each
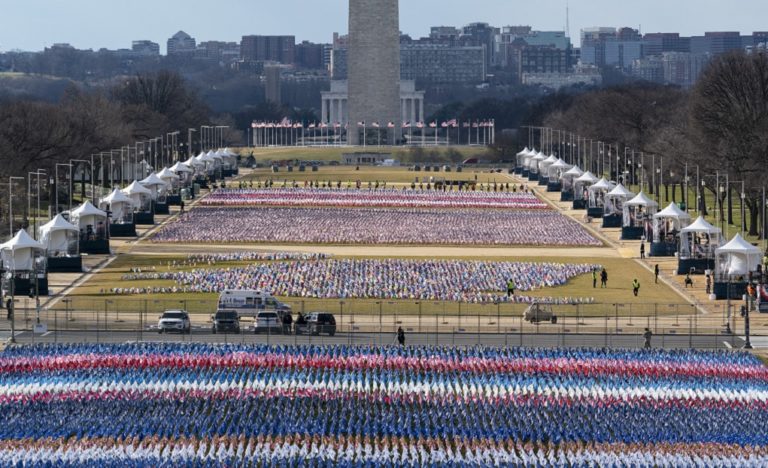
<point>248,303</point>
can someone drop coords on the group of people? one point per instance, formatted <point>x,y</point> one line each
<point>229,405</point>
<point>387,198</point>
<point>376,226</point>
<point>439,280</point>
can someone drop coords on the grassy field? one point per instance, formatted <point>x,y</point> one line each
<point>621,273</point>
<point>394,175</point>
<point>334,153</point>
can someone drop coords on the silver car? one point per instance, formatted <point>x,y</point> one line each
<point>174,321</point>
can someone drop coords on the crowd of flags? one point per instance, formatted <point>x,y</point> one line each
<point>153,404</point>
<point>453,123</point>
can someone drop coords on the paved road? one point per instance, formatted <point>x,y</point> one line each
<point>527,340</point>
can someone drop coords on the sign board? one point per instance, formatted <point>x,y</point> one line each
<point>40,328</point>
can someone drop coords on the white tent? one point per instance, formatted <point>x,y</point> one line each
<point>520,157</point>
<point>737,258</point>
<point>59,237</point>
<point>615,198</point>
<point>19,253</point>
<point>229,153</point>
<point>581,184</point>
<point>180,167</point>
<point>155,184</point>
<point>139,194</point>
<point>568,178</point>
<point>527,158</point>
<point>88,215</point>
<point>194,162</point>
<point>597,192</point>
<point>639,210</point>
<point>121,206</point>
<point>544,165</point>
<point>699,240</point>
<point>556,170</point>
<point>214,154</point>
<point>533,164</point>
<point>669,221</point>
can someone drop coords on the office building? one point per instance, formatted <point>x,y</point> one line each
<point>281,49</point>
<point>181,44</point>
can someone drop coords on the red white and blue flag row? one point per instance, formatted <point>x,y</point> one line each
<point>243,405</point>
<point>286,123</point>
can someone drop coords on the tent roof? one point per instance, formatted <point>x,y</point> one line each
<point>117,196</point>
<point>167,174</point>
<point>153,179</point>
<point>193,161</point>
<point>58,223</point>
<point>551,159</point>
<point>739,245</point>
<point>672,211</point>
<point>214,155</point>
<point>602,184</point>
<point>136,188</point>
<point>229,153</point>
<point>575,171</point>
<point>540,156</point>
<point>205,157</point>
<point>523,152</point>
<point>620,192</point>
<point>587,177</point>
<point>641,200</point>
<point>22,240</point>
<point>87,209</point>
<point>180,167</point>
<point>701,225</point>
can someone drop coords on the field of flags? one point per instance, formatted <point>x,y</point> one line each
<point>244,405</point>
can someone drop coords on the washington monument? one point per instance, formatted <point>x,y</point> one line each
<point>374,68</point>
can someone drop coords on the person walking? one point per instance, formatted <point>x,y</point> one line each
<point>642,249</point>
<point>709,284</point>
<point>603,279</point>
<point>510,287</point>
<point>656,274</point>
<point>647,337</point>
<point>401,336</point>
<point>9,309</point>
<point>181,206</point>
<point>594,278</point>
<point>635,286</point>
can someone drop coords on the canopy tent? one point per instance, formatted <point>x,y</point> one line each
<point>581,185</point>
<point>193,163</point>
<point>21,253</point>
<point>737,259</point>
<point>544,165</point>
<point>527,159</point>
<point>180,168</point>
<point>89,219</point>
<point>556,170</point>
<point>155,184</point>
<point>637,217</point>
<point>700,240</point>
<point>614,199</point>
<point>140,195</point>
<point>533,164</point>
<point>668,223</point>
<point>597,192</point>
<point>570,176</point>
<point>120,205</point>
<point>520,157</point>
<point>59,237</point>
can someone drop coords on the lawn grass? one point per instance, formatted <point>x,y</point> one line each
<point>334,153</point>
<point>621,273</point>
<point>391,175</point>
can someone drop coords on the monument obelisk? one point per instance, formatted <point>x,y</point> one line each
<point>373,68</point>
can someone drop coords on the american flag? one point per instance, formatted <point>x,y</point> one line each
<point>254,125</point>
<point>444,124</point>
<point>406,124</point>
<point>286,122</point>
<point>466,124</point>
<point>312,125</point>
<point>337,125</point>
<point>433,125</point>
<point>419,124</point>
<point>390,125</point>
<point>474,125</point>
<point>361,124</point>
<point>375,125</point>
<point>453,123</point>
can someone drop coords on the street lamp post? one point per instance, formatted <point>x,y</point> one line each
<point>189,141</point>
<point>10,203</point>
<point>57,185</point>
<point>81,178</point>
<point>37,193</point>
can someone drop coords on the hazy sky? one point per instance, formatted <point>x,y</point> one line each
<point>35,24</point>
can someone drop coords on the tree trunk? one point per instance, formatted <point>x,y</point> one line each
<point>754,217</point>
<point>666,194</point>
<point>730,206</point>
<point>674,193</point>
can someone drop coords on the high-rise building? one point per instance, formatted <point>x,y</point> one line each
<point>481,35</point>
<point>146,48</point>
<point>310,55</point>
<point>182,44</point>
<point>442,64</point>
<point>716,43</point>
<point>656,43</point>
<point>219,51</point>
<point>374,68</point>
<point>281,49</point>
<point>273,84</point>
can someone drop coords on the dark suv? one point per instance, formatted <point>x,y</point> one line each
<point>226,321</point>
<point>321,322</point>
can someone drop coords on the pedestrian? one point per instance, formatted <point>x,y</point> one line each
<point>647,336</point>
<point>642,249</point>
<point>401,336</point>
<point>510,287</point>
<point>709,284</point>
<point>603,279</point>
<point>656,274</point>
<point>635,286</point>
<point>594,278</point>
<point>688,280</point>
<point>9,308</point>
<point>181,207</point>
<point>287,322</point>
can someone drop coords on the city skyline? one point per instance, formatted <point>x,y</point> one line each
<point>89,24</point>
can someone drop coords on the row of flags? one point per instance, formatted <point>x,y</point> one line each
<point>286,123</point>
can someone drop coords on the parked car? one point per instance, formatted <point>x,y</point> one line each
<point>267,322</point>
<point>226,321</point>
<point>536,313</point>
<point>174,320</point>
<point>321,322</point>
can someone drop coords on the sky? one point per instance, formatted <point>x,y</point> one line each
<point>92,24</point>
